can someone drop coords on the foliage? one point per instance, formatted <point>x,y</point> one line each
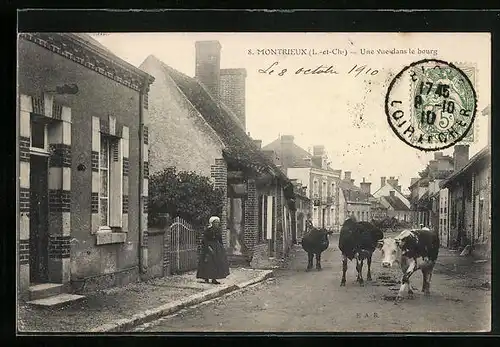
<point>183,194</point>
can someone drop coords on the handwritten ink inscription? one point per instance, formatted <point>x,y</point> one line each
<point>355,70</point>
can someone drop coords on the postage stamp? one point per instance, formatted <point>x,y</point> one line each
<point>437,110</point>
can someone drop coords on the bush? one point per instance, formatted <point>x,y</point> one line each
<point>183,194</point>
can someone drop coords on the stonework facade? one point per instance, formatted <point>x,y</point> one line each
<point>69,99</point>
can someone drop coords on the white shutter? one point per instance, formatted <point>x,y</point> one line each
<point>269,228</point>
<point>116,184</point>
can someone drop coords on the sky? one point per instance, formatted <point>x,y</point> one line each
<point>343,111</point>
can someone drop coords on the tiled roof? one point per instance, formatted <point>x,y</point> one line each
<point>396,203</point>
<point>96,45</point>
<point>239,147</point>
<point>353,193</point>
<point>292,155</point>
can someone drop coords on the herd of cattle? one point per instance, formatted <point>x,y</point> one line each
<point>412,249</point>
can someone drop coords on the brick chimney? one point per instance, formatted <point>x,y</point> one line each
<point>365,187</point>
<point>382,181</point>
<point>319,150</point>
<point>232,91</point>
<point>208,66</point>
<point>286,139</point>
<point>347,175</point>
<point>317,160</point>
<point>460,156</point>
<point>258,143</point>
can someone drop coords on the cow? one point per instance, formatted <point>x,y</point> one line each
<point>358,240</point>
<point>413,250</point>
<point>315,242</point>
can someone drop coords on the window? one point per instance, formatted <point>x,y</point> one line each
<point>333,189</point>
<point>39,136</point>
<point>362,215</point>
<point>324,192</point>
<point>316,187</point>
<point>111,176</point>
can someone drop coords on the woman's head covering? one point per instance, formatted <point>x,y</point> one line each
<point>212,220</point>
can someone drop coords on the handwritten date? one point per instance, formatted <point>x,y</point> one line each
<point>356,70</point>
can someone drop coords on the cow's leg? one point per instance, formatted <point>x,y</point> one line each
<point>412,267</point>
<point>410,291</point>
<point>344,269</point>
<point>369,264</point>
<point>318,261</point>
<point>359,269</point>
<point>427,275</point>
<point>310,258</point>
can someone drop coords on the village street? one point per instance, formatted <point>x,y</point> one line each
<point>296,300</point>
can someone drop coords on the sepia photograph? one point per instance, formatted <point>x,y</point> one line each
<point>253,182</point>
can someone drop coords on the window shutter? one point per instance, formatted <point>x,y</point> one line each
<point>269,217</point>
<point>116,184</point>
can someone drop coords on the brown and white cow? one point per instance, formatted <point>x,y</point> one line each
<point>413,250</point>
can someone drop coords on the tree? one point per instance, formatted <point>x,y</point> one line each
<point>183,194</point>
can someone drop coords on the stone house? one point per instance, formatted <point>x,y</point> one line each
<point>83,165</point>
<point>302,211</point>
<point>469,195</point>
<point>424,191</point>
<point>314,172</point>
<point>396,208</point>
<point>356,200</point>
<point>388,185</point>
<point>198,124</point>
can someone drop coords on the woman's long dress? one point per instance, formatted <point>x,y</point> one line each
<point>213,263</point>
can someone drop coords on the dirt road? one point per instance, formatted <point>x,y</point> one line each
<point>299,301</point>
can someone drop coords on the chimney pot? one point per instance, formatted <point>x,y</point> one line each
<point>347,175</point>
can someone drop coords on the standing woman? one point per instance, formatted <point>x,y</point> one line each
<point>213,262</point>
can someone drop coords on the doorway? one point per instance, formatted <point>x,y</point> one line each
<point>39,223</point>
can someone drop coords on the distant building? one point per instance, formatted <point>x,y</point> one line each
<point>314,172</point>
<point>469,194</point>
<point>302,211</point>
<point>388,185</point>
<point>424,191</point>
<point>396,208</point>
<point>356,201</point>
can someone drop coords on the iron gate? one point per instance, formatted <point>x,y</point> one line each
<point>183,250</point>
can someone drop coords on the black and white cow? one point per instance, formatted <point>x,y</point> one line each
<point>413,250</point>
<point>315,242</point>
<point>358,240</point>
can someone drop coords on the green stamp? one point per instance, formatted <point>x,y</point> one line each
<point>439,108</point>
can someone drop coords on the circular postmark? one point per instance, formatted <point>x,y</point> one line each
<point>431,105</point>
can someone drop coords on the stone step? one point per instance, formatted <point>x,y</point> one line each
<point>57,300</point>
<point>44,290</point>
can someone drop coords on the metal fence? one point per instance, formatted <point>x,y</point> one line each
<point>184,241</point>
